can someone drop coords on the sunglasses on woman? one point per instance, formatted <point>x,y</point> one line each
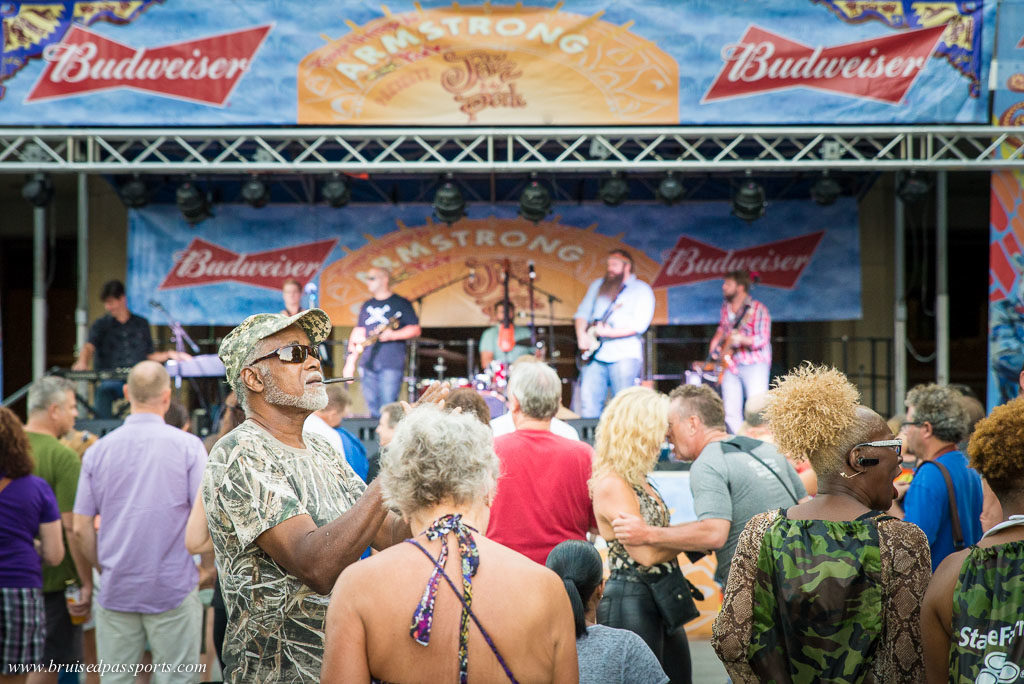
<point>292,353</point>
<point>895,444</point>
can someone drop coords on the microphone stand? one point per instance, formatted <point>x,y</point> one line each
<point>178,336</point>
<point>533,320</point>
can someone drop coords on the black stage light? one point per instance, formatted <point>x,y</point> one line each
<point>825,190</point>
<point>192,203</point>
<point>614,190</point>
<point>748,202</point>
<point>535,202</point>
<point>336,192</point>
<point>38,190</point>
<point>670,190</point>
<point>913,188</point>
<point>134,193</point>
<point>449,206</point>
<point>255,192</point>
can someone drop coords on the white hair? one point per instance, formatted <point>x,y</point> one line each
<point>47,391</point>
<point>537,388</point>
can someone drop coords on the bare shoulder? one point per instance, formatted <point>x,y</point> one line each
<point>609,485</point>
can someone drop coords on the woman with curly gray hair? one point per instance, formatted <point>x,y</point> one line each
<point>501,616</point>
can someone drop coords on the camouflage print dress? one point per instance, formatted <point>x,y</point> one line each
<point>253,482</point>
<point>988,616</point>
<point>824,601</point>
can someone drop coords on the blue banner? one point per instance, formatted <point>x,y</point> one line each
<point>807,259</point>
<point>577,62</point>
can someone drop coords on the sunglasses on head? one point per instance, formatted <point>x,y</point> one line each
<point>292,353</point>
<point>895,444</point>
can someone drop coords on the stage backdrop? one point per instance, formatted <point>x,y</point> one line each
<point>576,62</point>
<point>233,265</point>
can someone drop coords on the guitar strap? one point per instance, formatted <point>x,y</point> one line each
<point>608,311</point>
<point>735,326</point>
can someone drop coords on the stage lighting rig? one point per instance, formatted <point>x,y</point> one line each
<point>255,192</point>
<point>336,192</point>
<point>192,203</point>
<point>670,190</point>
<point>134,193</point>
<point>535,202</point>
<point>614,190</point>
<point>825,190</point>
<point>449,206</point>
<point>38,190</point>
<point>748,203</point>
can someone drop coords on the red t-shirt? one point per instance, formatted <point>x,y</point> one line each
<point>542,496</point>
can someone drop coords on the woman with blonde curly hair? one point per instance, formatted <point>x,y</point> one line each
<point>972,611</point>
<point>827,590</point>
<point>629,437</point>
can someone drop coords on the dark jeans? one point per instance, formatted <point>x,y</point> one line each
<point>629,605</point>
<point>107,392</point>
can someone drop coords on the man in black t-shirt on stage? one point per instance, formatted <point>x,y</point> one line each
<point>118,340</point>
<point>382,365</point>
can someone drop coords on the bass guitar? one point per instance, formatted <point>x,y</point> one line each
<point>720,359</point>
<point>371,338</point>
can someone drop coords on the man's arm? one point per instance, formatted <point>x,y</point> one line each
<point>317,555</point>
<point>85,538</point>
<point>165,356</point>
<point>937,617</point>
<point>613,498</point>
<point>82,566</point>
<point>393,531</point>
<point>85,355</point>
<point>703,535</point>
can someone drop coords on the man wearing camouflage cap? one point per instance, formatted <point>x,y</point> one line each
<point>286,512</point>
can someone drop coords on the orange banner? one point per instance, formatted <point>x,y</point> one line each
<point>487,65</point>
<point>434,262</point>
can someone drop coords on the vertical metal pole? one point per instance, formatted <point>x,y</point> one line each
<point>899,331</point>
<point>82,309</point>
<point>941,279</point>
<point>39,293</point>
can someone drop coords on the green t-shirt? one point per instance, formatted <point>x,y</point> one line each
<point>489,342</point>
<point>59,466</point>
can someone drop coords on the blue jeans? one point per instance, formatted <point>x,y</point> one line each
<point>380,387</point>
<point>598,377</point>
<point>739,386</point>
<point>107,392</point>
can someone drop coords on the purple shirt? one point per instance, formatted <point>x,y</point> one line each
<point>25,503</point>
<point>142,479</point>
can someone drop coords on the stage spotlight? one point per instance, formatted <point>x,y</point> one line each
<point>825,190</point>
<point>134,193</point>
<point>748,202</point>
<point>614,190</point>
<point>255,192</point>
<point>670,190</point>
<point>449,206</point>
<point>913,188</point>
<point>38,190</point>
<point>535,202</point>
<point>336,192</point>
<point>192,203</point>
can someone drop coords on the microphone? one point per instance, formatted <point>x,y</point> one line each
<point>310,291</point>
<point>472,274</point>
<point>533,273</point>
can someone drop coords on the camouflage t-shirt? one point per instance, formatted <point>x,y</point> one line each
<point>252,483</point>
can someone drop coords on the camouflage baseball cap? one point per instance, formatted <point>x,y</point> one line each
<point>236,344</point>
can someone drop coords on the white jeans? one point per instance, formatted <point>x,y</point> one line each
<point>739,386</point>
<point>173,636</point>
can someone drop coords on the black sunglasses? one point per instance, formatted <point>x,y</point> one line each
<point>292,353</point>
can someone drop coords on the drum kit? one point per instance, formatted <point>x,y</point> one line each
<point>490,382</point>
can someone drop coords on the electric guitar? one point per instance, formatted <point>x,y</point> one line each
<point>720,359</point>
<point>373,337</point>
<point>594,343</point>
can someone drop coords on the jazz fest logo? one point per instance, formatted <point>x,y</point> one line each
<point>503,64</point>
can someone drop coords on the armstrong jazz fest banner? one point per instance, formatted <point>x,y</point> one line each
<point>1006,210</point>
<point>234,264</point>
<point>572,62</point>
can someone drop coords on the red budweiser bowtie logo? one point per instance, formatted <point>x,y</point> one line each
<point>777,263</point>
<point>204,70</point>
<point>877,69</point>
<point>204,262</point>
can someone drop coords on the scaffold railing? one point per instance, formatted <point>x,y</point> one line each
<point>506,150</point>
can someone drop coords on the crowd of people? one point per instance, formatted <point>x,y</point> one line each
<point>464,552</point>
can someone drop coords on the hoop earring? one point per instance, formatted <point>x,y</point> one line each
<point>850,477</point>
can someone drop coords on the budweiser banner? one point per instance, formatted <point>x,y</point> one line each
<point>574,62</point>
<point>807,258</point>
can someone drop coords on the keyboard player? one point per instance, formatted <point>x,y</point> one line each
<point>119,339</point>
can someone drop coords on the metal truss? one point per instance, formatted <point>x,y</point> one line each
<point>491,150</point>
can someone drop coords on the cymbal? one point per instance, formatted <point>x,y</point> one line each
<point>561,360</point>
<point>429,341</point>
<point>446,354</point>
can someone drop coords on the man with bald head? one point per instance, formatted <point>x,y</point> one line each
<point>381,365</point>
<point>286,512</point>
<point>141,479</point>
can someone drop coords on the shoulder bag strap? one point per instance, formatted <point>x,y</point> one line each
<point>734,442</point>
<point>954,514</point>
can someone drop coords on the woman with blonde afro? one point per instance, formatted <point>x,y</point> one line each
<point>827,590</point>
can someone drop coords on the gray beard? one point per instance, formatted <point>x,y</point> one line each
<point>312,399</point>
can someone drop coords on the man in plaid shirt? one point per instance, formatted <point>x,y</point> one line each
<point>743,343</point>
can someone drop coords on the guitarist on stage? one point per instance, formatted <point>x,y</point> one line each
<point>382,365</point>
<point>615,312</point>
<point>742,344</point>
